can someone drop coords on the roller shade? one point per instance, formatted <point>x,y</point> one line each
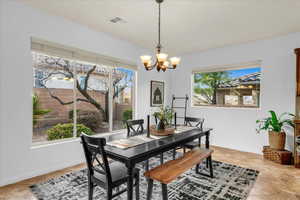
<point>58,50</point>
<point>215,68</point>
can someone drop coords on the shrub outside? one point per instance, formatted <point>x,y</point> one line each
<point>61,131</point>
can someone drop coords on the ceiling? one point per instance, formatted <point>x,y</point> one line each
<point>187,25</point>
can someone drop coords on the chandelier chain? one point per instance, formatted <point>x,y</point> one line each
<point>159,17</point>
<point>161,62</point>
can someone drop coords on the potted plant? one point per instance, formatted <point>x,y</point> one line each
<point>275,125</point>
<point>164,117</point>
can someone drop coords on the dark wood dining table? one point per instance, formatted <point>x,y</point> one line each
<point>133,155</point>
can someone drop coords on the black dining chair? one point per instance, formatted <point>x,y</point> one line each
<point>192,122</point>
<point>134,127</point>
<point>102,173</point>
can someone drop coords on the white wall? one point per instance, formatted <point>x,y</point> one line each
<point>235,127</point>
<point>18,160</point>
<point>1,83</point>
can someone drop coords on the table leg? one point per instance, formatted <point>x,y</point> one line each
<point>207,140</point>
<point>130,182</point>
<point>207,146</point>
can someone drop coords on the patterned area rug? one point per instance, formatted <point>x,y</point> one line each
<point>231,182</point>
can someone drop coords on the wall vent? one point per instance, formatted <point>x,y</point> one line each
<point>117,20</point>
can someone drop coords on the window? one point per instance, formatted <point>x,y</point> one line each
<point>231,100</point>
<point>123,90</point>
<point>71,96</point>
<point>238,87</point>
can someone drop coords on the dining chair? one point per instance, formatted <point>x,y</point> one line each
<point>192,122</point>
<point>134,127</point>
<point>102,173</point>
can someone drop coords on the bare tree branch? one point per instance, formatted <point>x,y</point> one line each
<point>83,91</point>
<point>88,76</point>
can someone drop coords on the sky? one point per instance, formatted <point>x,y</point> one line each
<point>130,74</point>
<point>242,72</point>
<point>233,74</point>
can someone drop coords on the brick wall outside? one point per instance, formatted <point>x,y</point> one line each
<point>60,113</point>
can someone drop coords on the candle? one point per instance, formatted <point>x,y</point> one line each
<point>148,125</point>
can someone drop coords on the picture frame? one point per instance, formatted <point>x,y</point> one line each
<point>157,93</point>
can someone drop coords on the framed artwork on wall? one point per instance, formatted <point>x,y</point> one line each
<point>157,90</point>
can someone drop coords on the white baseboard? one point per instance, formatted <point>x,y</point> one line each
<point>32,174</point>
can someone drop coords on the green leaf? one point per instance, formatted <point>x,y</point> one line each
<point>274,121</point>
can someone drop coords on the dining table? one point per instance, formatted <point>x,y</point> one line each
<point>142,152</point>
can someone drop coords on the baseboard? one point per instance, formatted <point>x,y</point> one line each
<point>39,172</point>
<point>234,149</point>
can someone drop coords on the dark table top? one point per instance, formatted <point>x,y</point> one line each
<point>152,148</point>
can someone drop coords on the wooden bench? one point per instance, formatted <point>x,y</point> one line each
<point>172,169</point>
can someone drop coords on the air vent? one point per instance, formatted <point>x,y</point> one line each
<point>117,20</point>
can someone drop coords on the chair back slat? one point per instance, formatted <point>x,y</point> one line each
<point>194,122</point>
<point>94,152</point>
<point>134,127</point>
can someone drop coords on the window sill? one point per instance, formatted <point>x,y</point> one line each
<point>38,145</point>
<point>228,107</point>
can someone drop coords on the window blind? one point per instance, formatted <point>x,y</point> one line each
<point>58,50</point>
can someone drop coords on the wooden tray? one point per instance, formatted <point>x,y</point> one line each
<point>166,132</point>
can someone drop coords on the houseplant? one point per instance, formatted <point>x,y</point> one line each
<point>165,116</point>
<point>275,126</point>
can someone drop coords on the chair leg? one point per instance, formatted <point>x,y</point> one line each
<point>109,195</point>
<point>147,165</point>
<point>91,189</point>
<point>164,191</point>
<point>207,161</point>
<point>210,167</point>
<point>137,186</point>
<point>150,188</point>
<point>162,158</point>
<point>184,150</point>
<point>174,153</point>
<point>197,168</point>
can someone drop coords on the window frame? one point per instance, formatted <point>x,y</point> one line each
<point>219,68</point>
<point>117,64</point>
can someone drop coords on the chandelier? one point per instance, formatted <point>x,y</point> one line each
<point>161,60</point>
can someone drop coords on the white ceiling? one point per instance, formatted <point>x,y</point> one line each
<point>187,25</point>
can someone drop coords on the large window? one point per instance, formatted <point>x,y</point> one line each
<point>71,96</point>
<point>123,90</point>
<point>227,88</point>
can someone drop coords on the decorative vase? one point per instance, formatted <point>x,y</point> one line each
<point>277,140</point>
<point>161,125</point>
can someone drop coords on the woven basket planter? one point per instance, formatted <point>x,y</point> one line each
<point>277,140</point>
<point>282,157</point>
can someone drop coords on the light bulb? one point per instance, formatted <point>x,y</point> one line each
<point>166,64</point>
<point>161,57</point>
<point>175,61</point>
<point>146,59</point>
<point>149,63</point>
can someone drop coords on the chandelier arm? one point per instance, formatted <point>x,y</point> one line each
<point>170,68</point>
<point>153,66</point>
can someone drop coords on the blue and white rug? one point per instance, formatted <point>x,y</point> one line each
<point>231,182</point>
